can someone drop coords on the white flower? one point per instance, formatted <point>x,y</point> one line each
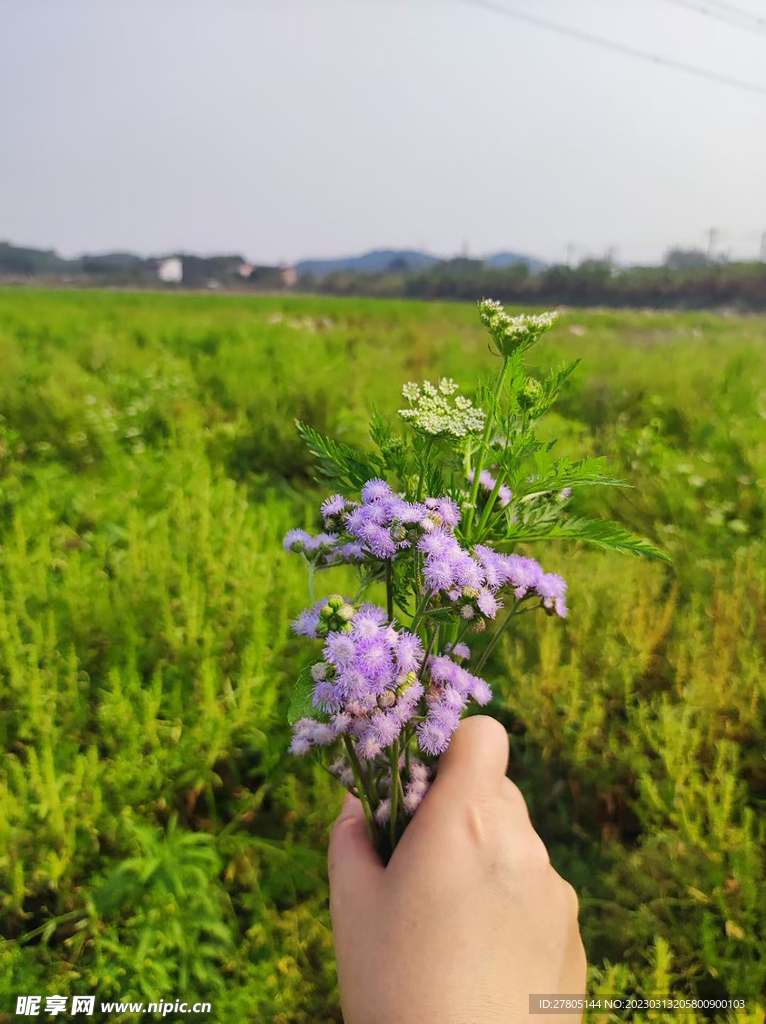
<point>509,331</point>
<point>432,412</point>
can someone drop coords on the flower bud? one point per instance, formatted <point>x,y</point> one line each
<point>530,394</point>
<point>346,612</point>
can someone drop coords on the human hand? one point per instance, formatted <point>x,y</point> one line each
<point>469,917</point>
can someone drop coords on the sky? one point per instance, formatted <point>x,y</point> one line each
<point>285,129</point>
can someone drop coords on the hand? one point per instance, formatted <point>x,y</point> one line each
<point>468,918</point>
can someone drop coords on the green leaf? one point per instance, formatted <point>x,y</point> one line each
<point>569,473</point>
<point>602,533</point>
<point>441,615</point>
<point>551,387</point>
<point>302,704</point>
<point>337,461</point>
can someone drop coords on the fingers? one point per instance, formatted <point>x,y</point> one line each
<point>353,864</point>
<point>477,757</point>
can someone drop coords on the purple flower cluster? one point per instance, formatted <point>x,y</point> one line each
<point>324,549</point>
<point>367,684</point>
<point>379,526</point>
<point>475,580</point>
<point>384,523</point>
<point>525,577</point>
<point>369,687</point>
<point>449,690</point>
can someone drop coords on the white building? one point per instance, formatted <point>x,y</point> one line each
<point>171,270</point>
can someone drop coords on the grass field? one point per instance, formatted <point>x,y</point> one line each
<point>155,837</point>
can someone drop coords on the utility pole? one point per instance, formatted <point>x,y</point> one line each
<point>712,240</point>
<point>763,247</point>
<point>570,253</point>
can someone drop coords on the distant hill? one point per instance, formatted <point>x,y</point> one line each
<point>20,259</point>
<point>380,261</point>
<point>501,260</point>
<point>376,262</point>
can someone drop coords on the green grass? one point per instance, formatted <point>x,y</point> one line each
<point>155,837</point>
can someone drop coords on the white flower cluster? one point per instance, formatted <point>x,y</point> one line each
<point>432,412</point>
<point>513,328</point>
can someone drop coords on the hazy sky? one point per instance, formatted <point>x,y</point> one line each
<point>290,128</point>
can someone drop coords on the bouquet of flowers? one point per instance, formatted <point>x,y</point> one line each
<point>433,517</point>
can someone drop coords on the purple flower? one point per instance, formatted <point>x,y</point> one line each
<point>552,589</point>
<point>295,540</point>
<point>480,691</point>
<point>299,745</point>
<point>375,490</point>
<point>383,811</point>
<point>385,728</point>
<point>409,652</point>
<point>437,544</point>
<point>523,574</point>
<point>341,723</point>
<point>345,553</point>
<point>366,625</point>
<point>414,793</point>
<point>447,509</point>
<point>453,698</point>
<point>307,732</point>
<point>461,651</point>
<point>353,683</point>
<point>320,543</point>
<point>433,737</point>
<point>442,668</point>
<point>334,505</point>
<point>327,697</point>
<point>488,604</point>
<point>373,611</point>
<point>374,659</point>
<point>439,574</point>
<point>504,495</point>
<point>493,565</point>
<point>307,622</point>
<point>339,649</point>
<point>406,705</point>
<point>380,541</point>
<point>467,571</point>
<point>368,746</point>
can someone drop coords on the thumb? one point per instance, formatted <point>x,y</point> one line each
<point>353,863</point>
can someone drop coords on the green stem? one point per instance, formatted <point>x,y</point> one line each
<point>419,611</point>
<point>312,573</point>
<point>490,503</point>
<point>427,655</point>
<point>483,452</point>
<point>494,641</point>
<point>364,794</point>
<point>458,639</point>
<point>395,786</point>
<point>421,478</point>
<point>389,590</point>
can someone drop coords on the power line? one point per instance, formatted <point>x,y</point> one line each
<point>739,11</point>
<point>757,28</point>
<point>608,44</point>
